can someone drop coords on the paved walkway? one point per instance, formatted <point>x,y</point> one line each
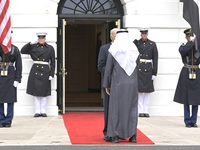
<point>51,131</point>
<point>35,131</point>
<point>169,131</point>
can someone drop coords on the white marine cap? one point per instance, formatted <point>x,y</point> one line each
<point>144,30</point>
<point>41,34</point>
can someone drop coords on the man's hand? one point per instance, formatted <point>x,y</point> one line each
<point>33,42</point>
<point>108,91</point>
<point>192,38</point>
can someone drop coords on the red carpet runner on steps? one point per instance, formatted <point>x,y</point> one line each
<point>87,128</point>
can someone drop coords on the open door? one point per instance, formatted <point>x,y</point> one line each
<point>61,66</point>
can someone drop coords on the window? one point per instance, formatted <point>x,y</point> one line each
<point>90,7</point>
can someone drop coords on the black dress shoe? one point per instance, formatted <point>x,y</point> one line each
<point>43,114</point>
<point>188,125</point>
<point>194,125</point>
<point>113,139</point>
<point>121,138</point>
<point>109,139</point>
<point>141,115</point>
<point>7,125</point>
<point>146,115</point>
<point>133,139</point>
<point>105,137</point>
<point>37,115</point>
<point>1,125</point>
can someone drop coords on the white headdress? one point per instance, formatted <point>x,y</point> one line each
<point>124,51</point>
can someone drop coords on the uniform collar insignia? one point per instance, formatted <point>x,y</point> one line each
<point>45,44</point>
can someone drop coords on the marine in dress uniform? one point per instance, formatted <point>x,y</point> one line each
<point>102,58</point>
<point>147,71</point>
<point>42,72</point>
<point>10,76</point>
<point>187,90</point>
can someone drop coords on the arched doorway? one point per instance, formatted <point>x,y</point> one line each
<point>83,27</point>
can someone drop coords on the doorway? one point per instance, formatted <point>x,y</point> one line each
<point>83,82</point>
<point>77,49</point>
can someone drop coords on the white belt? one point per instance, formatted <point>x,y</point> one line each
<point>146,60</point>
<point>41,62</point>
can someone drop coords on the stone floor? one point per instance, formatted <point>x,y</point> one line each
<point>51,131</point>
<point>169,131</point>
<point>35,131</point>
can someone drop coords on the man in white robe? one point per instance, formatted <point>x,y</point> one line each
<point>121,82</point>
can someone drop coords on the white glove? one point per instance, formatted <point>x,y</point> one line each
<point>15,84</point>
<point>50,77</point>
<point>33,42</point>
<point>192,37</point>
<point>153,77</point>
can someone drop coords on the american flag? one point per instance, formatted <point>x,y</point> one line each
<point>5,25</point>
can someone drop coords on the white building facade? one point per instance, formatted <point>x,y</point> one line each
<point>163,17</point>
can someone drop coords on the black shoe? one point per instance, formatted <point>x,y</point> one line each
<point>121,138</point>
<point>188,125</point>
<point>37,115</point>
<point>194,125</point>
<point>113,139</point>
<point>43,115</point>
<point>146,115</point>
<point>1,125</point>
<point>105,137</point>
<point>133,139</point>
<point>141,115</point>
<point>109,139</point>
<point>7,125</point>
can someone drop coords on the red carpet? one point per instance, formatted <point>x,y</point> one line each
<point>87,128</point>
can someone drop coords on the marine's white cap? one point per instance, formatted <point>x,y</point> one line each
<point>144,30</point>
<point>41,34</point>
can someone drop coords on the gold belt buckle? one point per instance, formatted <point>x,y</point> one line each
<point>192,76</point>
<point>4,73</point>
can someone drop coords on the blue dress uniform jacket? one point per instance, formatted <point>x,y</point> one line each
<point>7,90</point>
<point>38,81</point>
<point>148,51</point>
<point>187,91</point>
